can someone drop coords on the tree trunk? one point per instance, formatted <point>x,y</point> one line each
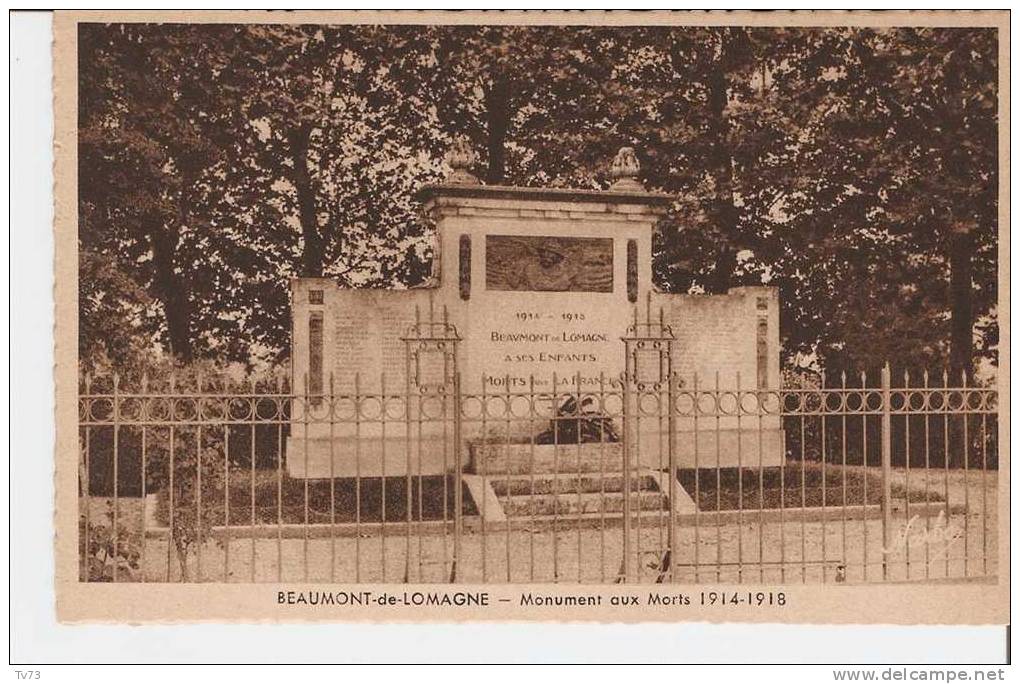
<point>182,561</point>
<point>171,287</point>
<point>961,340</point>
<point>312,256</point>
<point>724,211</point>
<point>497,108</point>
<point>961,242</point>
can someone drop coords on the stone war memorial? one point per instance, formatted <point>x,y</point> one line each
<point>538,298</point>
<point>451,303</point>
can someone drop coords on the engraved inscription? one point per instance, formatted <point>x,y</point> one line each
<point>368,341</point>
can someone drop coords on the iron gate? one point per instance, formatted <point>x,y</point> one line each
<point>635,478</point>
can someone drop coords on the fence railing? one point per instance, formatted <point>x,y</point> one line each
<point>623,479</point>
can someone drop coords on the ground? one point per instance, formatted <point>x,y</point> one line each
<point>750,547</point>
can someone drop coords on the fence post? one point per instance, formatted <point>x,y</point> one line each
<point>458,493</point>
<point>627,438</point>
<point>886,469</point>
<point>671,381</point>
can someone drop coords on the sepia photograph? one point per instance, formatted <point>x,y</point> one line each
<point>521,315</point>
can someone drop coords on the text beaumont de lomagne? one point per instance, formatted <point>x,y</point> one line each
<point>368,598</point>
<point>549,337</point>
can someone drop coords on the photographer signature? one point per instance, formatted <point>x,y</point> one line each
<point>940,532</point>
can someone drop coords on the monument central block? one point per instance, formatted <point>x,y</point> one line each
<point>537,289</point>
<point>554,276</point>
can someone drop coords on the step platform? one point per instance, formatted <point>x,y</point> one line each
<point>567,481</point>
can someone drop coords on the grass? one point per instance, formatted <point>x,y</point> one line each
<point>714,490</point>
<point>282,499</point>
<point>791,487</point>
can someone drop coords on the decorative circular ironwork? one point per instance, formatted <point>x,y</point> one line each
<point>791,402</point>
<point>853,401</point>
<point>345,408</point>
<point>185,409</point>
<point>748,403</point>
<point>833,401</point>
<point>935,401</point>
<point>471,406</point>
<point>612,403</point>
<point>268,409</point>
<point>317,409</point>
<point>521,406</point>
<point>770,402</point>
<point>395,408</point>
<point>240,409</point>
<point>131,409</point>
<point>211,409</point>
<point>728,404</point>
<point>495,407</point>
<point>976,400</point>
<point>956,401</point>
<point>811,401</point>
<point>707,404</point>
<point>431,408</point>
<point>916,400</point>
<point>101,410</point>
<point>370,407</point>
<point>158,409</point>
<point>648,404</point>
<point>683,403</point>
<point>897,400</point>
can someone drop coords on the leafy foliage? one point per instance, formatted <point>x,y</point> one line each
<point>853,168</point>
<point>186,463</point>
<point>106,556</point>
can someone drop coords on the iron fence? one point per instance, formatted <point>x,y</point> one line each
<point>649,477</point>
<point>613,483</point>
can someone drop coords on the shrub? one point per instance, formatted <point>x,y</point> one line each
<point>106,556</point>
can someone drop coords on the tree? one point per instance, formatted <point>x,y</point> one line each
<point>148,141</point>
<point>955,142</point>
<point>538,102</point>
<point>852,168</point>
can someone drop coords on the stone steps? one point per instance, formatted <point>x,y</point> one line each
<point>524,459</point>
<point>566,481</point>
<point>573,504</point>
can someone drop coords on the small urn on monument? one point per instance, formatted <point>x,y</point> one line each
<point>461,158</point>
<point>624,172</point>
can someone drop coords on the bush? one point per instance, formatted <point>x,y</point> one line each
<point>185,460</point>
<point>106,556</point>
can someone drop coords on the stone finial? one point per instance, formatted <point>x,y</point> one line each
<point>624,171</point>
<point>461,158</point>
